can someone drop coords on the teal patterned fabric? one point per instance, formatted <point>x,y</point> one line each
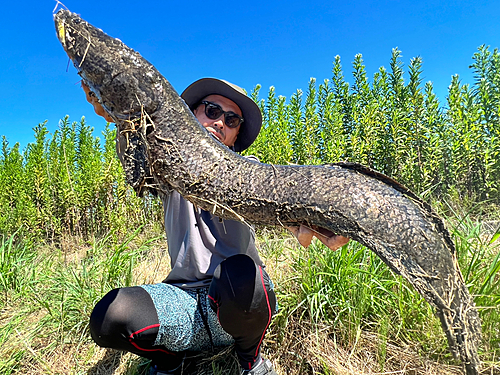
<point>181,323</point>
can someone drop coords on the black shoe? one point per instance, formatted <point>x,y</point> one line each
<point>153,370</point>
<point>185,368</point>
<point>265,367</point>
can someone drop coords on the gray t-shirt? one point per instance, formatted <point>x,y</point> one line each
<point>198,241</point>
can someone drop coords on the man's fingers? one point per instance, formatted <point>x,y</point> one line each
<point>88,94</point>
<point>98,109</point>
<point>329,238</point>
<point>333,242</point>
<point>305,236</point>
<point>101,112</point>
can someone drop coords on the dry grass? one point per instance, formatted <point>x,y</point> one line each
<point>306,353</point>
<point>300,348</point>
<point>308,350</point>
<point>52,355</point>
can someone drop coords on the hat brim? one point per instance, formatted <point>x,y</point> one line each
<point>252,124</point>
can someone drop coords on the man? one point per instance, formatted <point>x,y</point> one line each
<point>218,292</point>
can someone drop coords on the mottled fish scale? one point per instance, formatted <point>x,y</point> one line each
<point>165,147</point>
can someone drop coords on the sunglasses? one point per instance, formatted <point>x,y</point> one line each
<point>214,111</point>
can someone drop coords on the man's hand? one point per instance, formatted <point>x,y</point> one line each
<point>329,239</point>
<point>91,98</point>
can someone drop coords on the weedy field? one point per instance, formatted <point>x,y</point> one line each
<point>340,312</point>
<point>71,230</point>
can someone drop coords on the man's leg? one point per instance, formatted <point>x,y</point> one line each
<point>126,319</point>
<point>242,296</point>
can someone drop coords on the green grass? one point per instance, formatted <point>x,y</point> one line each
<point>48,295</point>
<point>351,291</point>
<point>346,301</point>
<point>16,265</point>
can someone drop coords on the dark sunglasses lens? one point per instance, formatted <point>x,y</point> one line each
<point>213,111</point>
<point>232,120</point>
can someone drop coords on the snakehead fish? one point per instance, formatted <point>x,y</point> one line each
<point>165,147</point>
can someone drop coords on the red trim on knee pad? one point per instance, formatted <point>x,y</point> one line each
<point>216,304</point>
<point>270,313</point>
<point>132,337</point>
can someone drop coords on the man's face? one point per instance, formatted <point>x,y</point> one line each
<point>218,127</point>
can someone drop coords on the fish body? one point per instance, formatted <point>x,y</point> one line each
<point>165,147</point>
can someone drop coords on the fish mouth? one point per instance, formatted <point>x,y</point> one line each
<point>99,61</point>
<point>60,23</point>
<point>65,31</point>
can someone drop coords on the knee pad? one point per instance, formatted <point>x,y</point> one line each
<point>120,313</point>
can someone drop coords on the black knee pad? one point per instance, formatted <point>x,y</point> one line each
<point>234,281</point>
<point>120,313</point>
<point>241,289</point>
<point>242,297</point>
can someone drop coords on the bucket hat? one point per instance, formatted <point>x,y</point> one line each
<point>252,116</point>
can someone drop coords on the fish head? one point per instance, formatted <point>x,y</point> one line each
<point>126,85</point>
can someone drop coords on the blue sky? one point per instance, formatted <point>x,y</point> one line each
<point>272,43</point>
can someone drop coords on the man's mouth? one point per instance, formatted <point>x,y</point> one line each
<point>216,134</point>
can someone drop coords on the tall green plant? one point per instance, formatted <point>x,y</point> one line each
<point>395,127</point>
<point>13,197</point>
<point>68,184</point>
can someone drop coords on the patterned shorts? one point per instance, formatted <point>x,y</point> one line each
<point>182,325</point>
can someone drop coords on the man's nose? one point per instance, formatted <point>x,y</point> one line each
<point>219,122</point>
